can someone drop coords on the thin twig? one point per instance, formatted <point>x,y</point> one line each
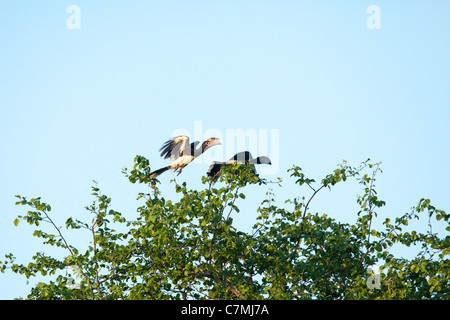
<point>303,221</point>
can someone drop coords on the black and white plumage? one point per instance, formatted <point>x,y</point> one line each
<point>244,157</point>
<point>181,152</point>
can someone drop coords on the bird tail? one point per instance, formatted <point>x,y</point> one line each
<point>156,173</point>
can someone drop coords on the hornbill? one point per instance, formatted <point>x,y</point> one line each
<point>181,152</point>
<point>244,157</point>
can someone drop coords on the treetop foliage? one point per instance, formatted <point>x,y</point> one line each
<point>190,248</point>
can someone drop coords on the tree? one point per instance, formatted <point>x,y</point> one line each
<point>190,249</point>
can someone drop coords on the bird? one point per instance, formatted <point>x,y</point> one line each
<point>244,157</point>
<point>181,152</point>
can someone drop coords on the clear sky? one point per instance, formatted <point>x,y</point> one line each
<point>78,104</point>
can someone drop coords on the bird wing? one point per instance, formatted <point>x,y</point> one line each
<point>174,147</point>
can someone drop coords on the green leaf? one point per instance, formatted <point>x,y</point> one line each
<point>186,245</point>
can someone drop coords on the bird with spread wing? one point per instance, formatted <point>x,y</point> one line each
<point>181,152</point>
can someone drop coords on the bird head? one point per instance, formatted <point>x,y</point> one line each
<point>208,143</point>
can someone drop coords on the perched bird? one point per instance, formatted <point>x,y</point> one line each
<point>244,157</point>
<point>181,153</point>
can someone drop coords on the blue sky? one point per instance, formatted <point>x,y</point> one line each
<point>79,104</point>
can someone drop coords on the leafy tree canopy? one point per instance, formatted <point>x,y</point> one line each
<point>190,249</point>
